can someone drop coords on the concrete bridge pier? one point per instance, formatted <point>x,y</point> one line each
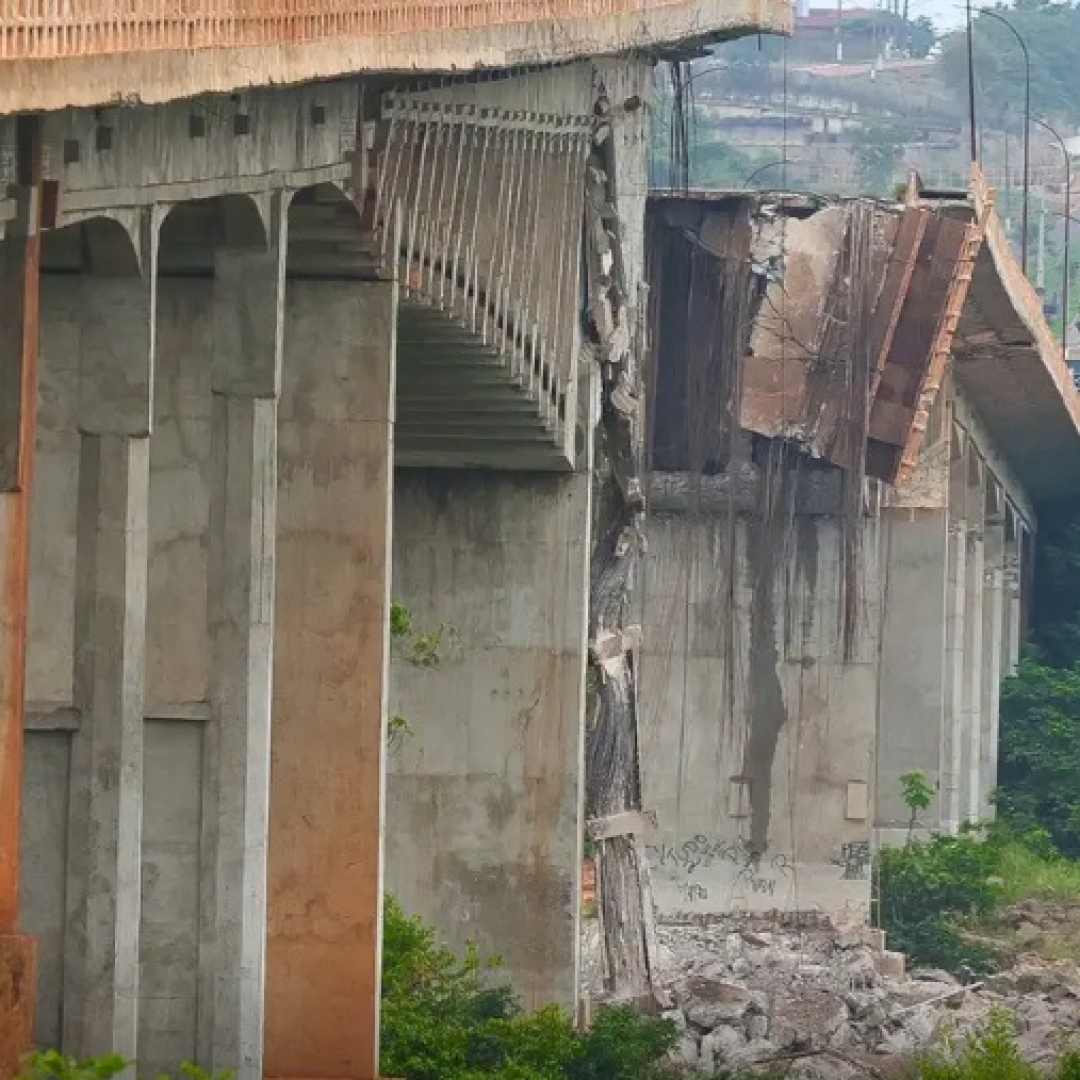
<point>113,310</point>
<point>20,251</point>
<point>324,887</point>
<point>211,565</point>
<point>952,622</point>
<point>246,363</point>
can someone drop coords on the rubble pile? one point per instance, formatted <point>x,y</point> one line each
<point>828,1004</point>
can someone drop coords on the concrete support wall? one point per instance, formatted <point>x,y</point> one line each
<point>951,629</point>
<point>758,731</point>
<point>484,823</point>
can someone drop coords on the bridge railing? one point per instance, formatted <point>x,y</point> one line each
<point>55,29</point>
<point>492,206</point>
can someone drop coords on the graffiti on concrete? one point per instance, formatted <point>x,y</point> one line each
<point>752,871</point>
<point>691,892</point>
<point>854,860</point>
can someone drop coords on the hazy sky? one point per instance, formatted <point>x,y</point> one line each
<point>946,14</point>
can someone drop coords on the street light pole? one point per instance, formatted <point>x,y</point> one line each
<point>1027,127</point>
<point>971,85</point>
<point>1027,130</point>
<point>768,165</point>
<point>1068,220</point>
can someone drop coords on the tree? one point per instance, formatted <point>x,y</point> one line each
<point>878,151</point>
<point>1039,752</point>
<point>1051,32</point>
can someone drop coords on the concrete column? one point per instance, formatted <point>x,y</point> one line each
<point>912,676</point>
<point>330,671</point>
<point>952,738</point>
<point>1010,645</point>
<point>246,365</point>
<point>971,780</point>
<point>19,261</point>
<point>992,638</point>
<point>101,968</point>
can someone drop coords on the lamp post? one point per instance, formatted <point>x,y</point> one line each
<point>768,165</point>
<point>1068,220</point>
<point>971,84</point>
<point>1027,129</point>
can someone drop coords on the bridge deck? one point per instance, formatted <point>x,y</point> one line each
<point>56,53</point>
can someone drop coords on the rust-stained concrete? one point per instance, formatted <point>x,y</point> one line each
<point>134,58</point>
<point>20,253</point>
<point>324,886</point>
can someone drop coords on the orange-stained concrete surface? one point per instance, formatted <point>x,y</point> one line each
<point>17,982</point>
<point>324,888</point>
<point>19,349</point>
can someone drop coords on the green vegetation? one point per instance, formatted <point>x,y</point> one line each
<point>879,151</point>
<point>931,890</point>
<point>917,794</point>
<point>1051,32</point>
<point>1040,706</point>
<point>52,1065</point>
<point>939,899</point>
<point>442,1019</point>
<point>421,649</point>
<point>992,1053</point>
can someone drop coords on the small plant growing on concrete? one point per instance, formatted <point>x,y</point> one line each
<point>917,795</point>
<point>419,649</point>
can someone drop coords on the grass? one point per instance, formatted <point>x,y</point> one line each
<point>1027,874</point>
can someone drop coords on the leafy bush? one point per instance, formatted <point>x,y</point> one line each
<point>929,888</point>
<point>52,1065</point>
<point>443,1020</point>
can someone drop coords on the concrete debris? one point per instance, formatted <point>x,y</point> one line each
<point>824,1002</point>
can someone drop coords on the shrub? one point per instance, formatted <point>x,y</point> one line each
<point>442,1019</point>
<point>989,1053</point>
<point>929,888</point>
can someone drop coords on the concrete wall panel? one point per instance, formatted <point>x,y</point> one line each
<point>177,660</point>
<point>757,732</point>
<point>169,947</point>
<point>44,870</point>
<point>484,799</point>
